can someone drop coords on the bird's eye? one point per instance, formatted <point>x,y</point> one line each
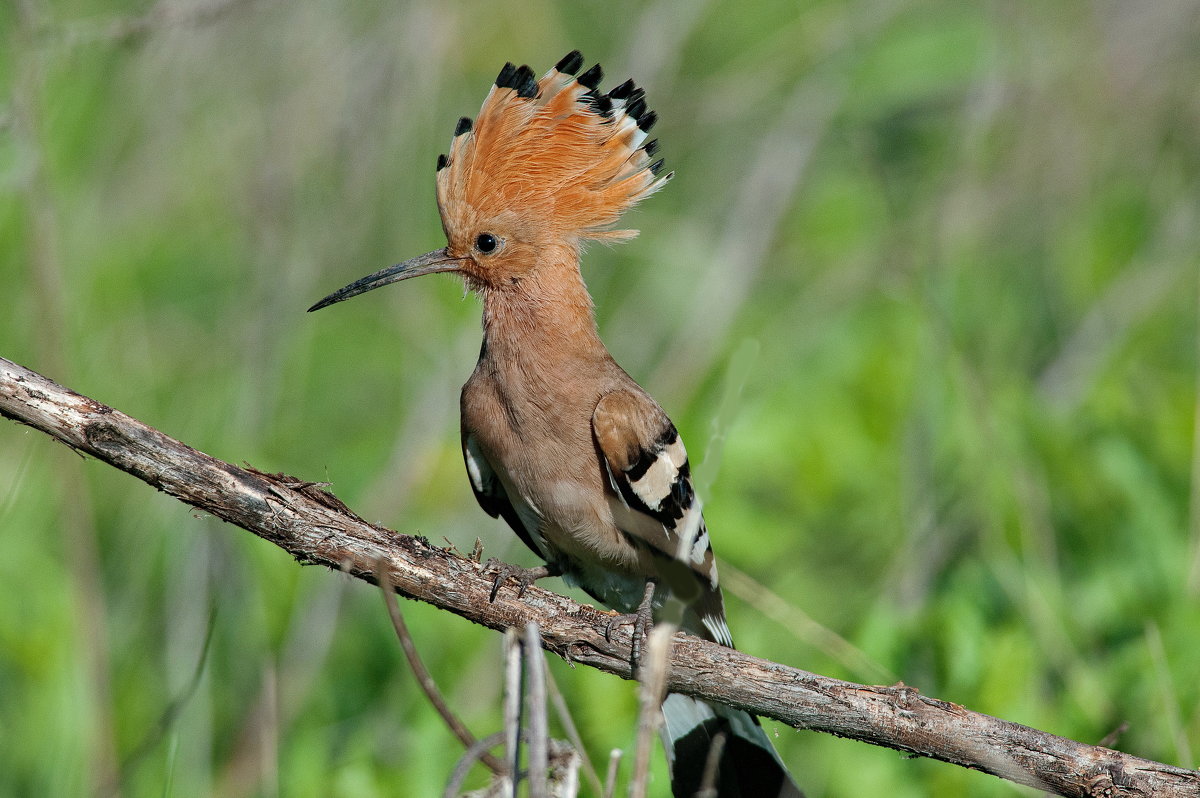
<point>486,243</point>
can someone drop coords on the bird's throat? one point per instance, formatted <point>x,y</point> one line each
<point>546,316</point>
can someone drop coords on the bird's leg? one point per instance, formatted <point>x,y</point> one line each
<point>524,576</point>
<point>642,619</point>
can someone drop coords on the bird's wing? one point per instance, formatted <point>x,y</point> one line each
<point>489,492</point>
<point>654,504</point>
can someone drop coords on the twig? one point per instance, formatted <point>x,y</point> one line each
<point>1110,739</point>
<point>512,707</point>
<point>563,773</point>
<point>314,527</point>
<point>173,710</point>
<point>564,717</point>
<point>801,624</point>
<point>535,703</point>
<point>425,679</point>
<point>708,782</point>
<point>610,776</point>
<point>477,750</point>
<point>652,674</point>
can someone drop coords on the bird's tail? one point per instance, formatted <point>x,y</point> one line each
<point>748,766</point>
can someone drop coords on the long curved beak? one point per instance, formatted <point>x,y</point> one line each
<point>429,263</point>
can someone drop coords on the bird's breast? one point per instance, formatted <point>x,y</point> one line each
<point>542,450</point>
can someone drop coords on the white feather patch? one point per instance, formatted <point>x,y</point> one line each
<point>654,486</point>
<point>476,464</point>
<point>693,536</point>
<point>717,627</point>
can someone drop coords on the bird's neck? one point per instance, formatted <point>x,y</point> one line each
<point>545,317</point>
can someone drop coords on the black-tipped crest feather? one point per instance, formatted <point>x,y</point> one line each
<point>570,63</point>
<point>591,78</point>
<point>592,169</point>
<point>599,103</point>
<point>524,82</point>
<point>621,91</point>
<point>504,79</point>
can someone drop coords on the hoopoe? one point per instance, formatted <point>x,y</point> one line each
<point>558,440</point>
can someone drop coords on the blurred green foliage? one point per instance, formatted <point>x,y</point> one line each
<point>922,298</point>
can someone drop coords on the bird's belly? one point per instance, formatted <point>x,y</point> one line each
<point>548,466</point>
<point>577,522</point>
<point>617,590</point>
<point>577,525</point>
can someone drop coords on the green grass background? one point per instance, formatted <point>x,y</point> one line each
<point>922,299</point>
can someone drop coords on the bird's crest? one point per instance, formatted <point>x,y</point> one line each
<point>555,151</point>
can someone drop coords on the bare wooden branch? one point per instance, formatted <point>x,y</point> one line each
<point>316,528</point>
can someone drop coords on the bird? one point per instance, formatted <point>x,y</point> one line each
<point>558,440</point>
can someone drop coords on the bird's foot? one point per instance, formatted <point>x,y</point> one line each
<point>524,576</point>
<point>642,619</point>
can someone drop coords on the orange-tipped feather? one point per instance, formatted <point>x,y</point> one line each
<point>555,151</point>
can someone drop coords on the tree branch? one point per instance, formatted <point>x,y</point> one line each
<point>316,528</point>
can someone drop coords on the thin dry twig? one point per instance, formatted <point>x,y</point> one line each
<point>512,706</point>
<point>772,605</point>
<point>535,703</point>
<point>425,678</point>
<point>652,675</point>
<point>474,753</point>
<point>708,783</point>
<point>610,776</point>
<point>564,717</point>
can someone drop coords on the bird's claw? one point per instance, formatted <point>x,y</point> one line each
<point>524,576</point>
<point>642,620</point>
<point>641,623</point>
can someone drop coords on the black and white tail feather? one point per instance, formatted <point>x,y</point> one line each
<point>749,765</point>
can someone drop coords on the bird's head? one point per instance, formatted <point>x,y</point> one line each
<point>547,165</point>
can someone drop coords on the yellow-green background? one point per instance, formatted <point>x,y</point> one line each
<point>922,299</point>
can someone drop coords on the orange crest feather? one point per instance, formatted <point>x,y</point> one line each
<point>554,151</point>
